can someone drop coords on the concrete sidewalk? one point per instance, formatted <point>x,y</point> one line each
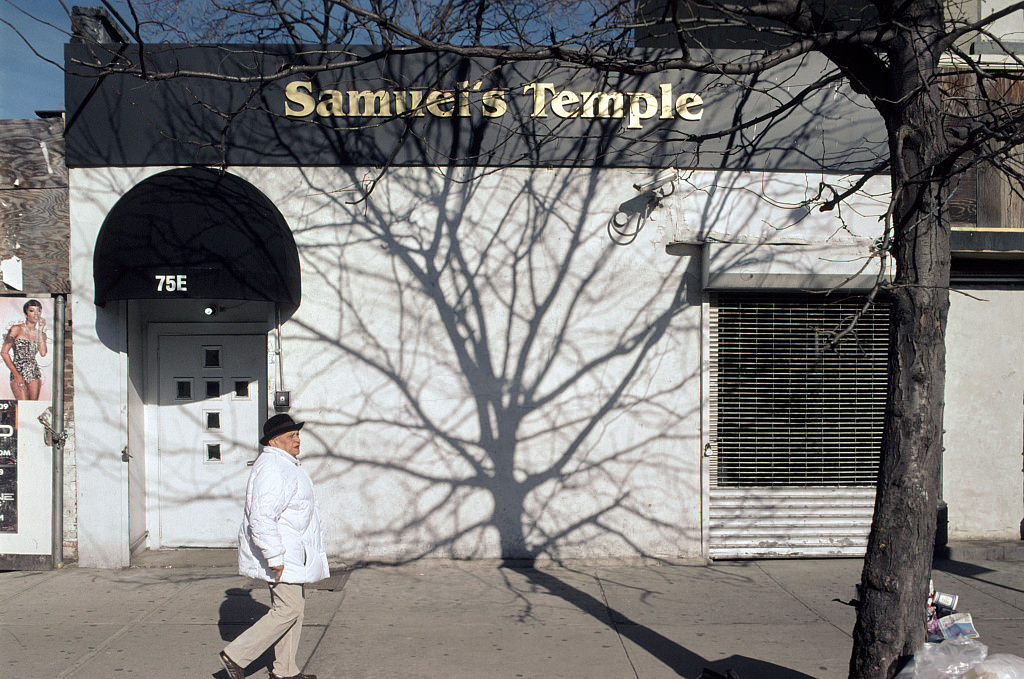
<point>780,619</point>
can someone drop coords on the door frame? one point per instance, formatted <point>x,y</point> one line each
<point>151,436</point>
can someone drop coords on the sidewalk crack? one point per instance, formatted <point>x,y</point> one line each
<point>615,625</point>
<point>131,624</point>
<point>803,603</point>
<point>344,595</point>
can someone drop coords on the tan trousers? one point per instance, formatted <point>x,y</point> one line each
<point>280,627</point>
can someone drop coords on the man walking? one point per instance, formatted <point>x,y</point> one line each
<point>280,541</point>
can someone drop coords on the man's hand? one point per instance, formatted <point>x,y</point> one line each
<point>277,571</point>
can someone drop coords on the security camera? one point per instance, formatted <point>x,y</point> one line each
<point>660,180</point>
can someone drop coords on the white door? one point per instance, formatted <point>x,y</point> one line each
<point>209,403</point>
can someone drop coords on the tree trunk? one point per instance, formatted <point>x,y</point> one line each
<point>891,618</point>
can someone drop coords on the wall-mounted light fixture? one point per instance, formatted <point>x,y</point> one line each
<point>631,215</point>
<point>662,184</point>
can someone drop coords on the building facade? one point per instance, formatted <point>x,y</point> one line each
<point>523,313</point>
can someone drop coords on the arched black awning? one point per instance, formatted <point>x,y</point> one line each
<point>196,233</point>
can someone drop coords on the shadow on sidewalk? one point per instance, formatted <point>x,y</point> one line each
<point>238,612</point>
<point>972,571</point>
<point>685,662</point>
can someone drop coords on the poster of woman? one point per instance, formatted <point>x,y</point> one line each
<point>27,349</point>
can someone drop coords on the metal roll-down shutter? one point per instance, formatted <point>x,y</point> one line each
<point>796,424</point>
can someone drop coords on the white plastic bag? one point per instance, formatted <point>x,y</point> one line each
<point>950,659</point>
<point>998,666</point>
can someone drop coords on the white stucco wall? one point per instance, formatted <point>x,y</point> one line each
<point>486,367</point>
<point>485,372</point>
<point>982,481</point>
<point>101,376</point>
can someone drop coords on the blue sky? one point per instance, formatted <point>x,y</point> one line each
<point>27,83</point>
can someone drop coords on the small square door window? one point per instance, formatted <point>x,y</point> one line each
<point>211,357</point>
<point>213,389</point>
<point>213,452</point>
<point>212,420</point>
<point>183,390</point>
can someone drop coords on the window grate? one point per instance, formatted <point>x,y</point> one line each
<point>786,410</point>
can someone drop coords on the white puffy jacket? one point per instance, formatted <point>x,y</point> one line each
<point>281,524</point>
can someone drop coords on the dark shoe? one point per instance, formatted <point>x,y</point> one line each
<point>300,675</point>
<point>234,670</point>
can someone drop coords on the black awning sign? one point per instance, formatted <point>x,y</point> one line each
<point>162,282</point>
<point>196,233</point>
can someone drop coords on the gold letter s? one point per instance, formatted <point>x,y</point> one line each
<point>299,92</point>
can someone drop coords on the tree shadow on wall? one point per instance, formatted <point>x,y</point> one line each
<point>520,379</point>
<point>516,382</point>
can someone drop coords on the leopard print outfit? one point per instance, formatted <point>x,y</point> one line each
<point>23,355</point>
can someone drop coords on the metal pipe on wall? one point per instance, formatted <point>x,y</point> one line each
<point>282,398</point>
<point>280,350</point>
<point>57,434</point>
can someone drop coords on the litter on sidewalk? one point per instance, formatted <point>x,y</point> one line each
<point>962,658</point>
<point>952,649</point>
<point>943,620</point>
<point>957,625</point>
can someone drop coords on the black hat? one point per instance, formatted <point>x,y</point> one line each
<point>277,425</point>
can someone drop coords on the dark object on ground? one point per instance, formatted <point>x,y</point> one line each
<point>709,673</point>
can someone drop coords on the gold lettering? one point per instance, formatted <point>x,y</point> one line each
<point>539,102</point>
<point>400,108</point>
<point>667,112</point>
<point>464,96</point>
<point>367,103</point>
<point>301,99</point>
<point>299,92</point>
<point>495,105</point>
<point>588,104</point>
<point>562,100</point>
<point>332,103</point>
<point>436,100</point>
<point>609,105</point>
<point>642,105</point>
<point>415,101</point>
<point>685,101</point>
